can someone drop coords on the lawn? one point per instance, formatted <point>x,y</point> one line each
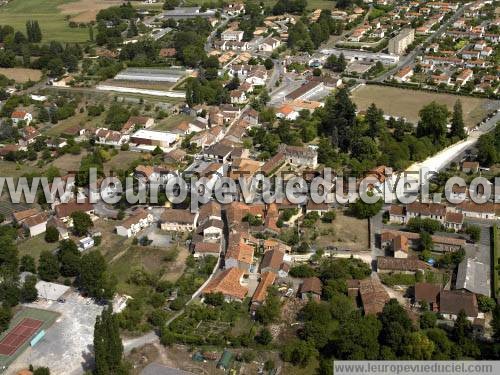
<point>48,14</point>
<point>171,121</point>
<point>68,162</point>
<point>34,246</point>
<point>79,119</point>
<point>15,170</point>
<point>122,160</point>
<point>136,257</point>
<point>345,232</point>
<point>407,103</point>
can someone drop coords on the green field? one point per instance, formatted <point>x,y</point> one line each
<point>48,317</point>
<point>34,246</point>
<point>46,12</point>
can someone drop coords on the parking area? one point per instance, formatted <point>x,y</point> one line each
<point>67,345</point>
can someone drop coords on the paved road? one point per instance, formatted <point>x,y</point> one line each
<point>443,158</point>
<point>137,342</point>
<point>208,44</point>
<point>277,72</point>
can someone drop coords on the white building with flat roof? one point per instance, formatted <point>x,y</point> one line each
<point>151,139</point>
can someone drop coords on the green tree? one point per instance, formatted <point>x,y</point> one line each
<point>48,266</point>
<point>357,338</point>
<point>9,293</point>
<point>270,310</point>
<point>5,317</point>
<point>94,278</point>
<point>81,223</point>
<point>51,234</point>
<point>442,344</point>
<point>91,32</point>
<point>298,352</point>
<point>27,264</point>
<point>264,337</point>
<point>363,210</point>
<point>108,347</point>
<point>462,328</point>
<point>474,231</point>
<point>214,299</point>
<point>8,257</point>
<point>375,120</point>
<point>427,320</point>
<point>29,292</point>
<point>69,257</point>
<point>485,303</point>
<point>396,327</point>
<point>419,347</point>
<point>433,121</point>
<point>457,121</point>
<point>339,119</point>
<point>41,371</point>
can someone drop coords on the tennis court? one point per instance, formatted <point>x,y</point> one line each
<point>23,328</point>
<point>19,335</point>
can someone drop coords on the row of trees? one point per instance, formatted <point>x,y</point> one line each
<point>33,32</point>
<point>108,347</point>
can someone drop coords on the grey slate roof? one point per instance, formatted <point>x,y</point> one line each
<point>474,276</point>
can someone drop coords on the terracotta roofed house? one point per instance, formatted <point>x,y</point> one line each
<point>19,216</point>
<point>137,122</point>
<point>36,224</point>
<point>239,255</point>
<point>266,280</point>
<point>202,249</point>
<point>373,296</point>
<point>228,282</point>
<point>21,115</point>
<point>64,210</point>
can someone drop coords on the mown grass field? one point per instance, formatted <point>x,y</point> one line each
<point>407,103</point>
<point>48,14</point>
<point>34,246</point>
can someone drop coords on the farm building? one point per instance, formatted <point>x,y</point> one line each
<point>151,75</point>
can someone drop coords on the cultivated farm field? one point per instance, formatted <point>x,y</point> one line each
<point>86,10</point>
<point>407,103</point>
